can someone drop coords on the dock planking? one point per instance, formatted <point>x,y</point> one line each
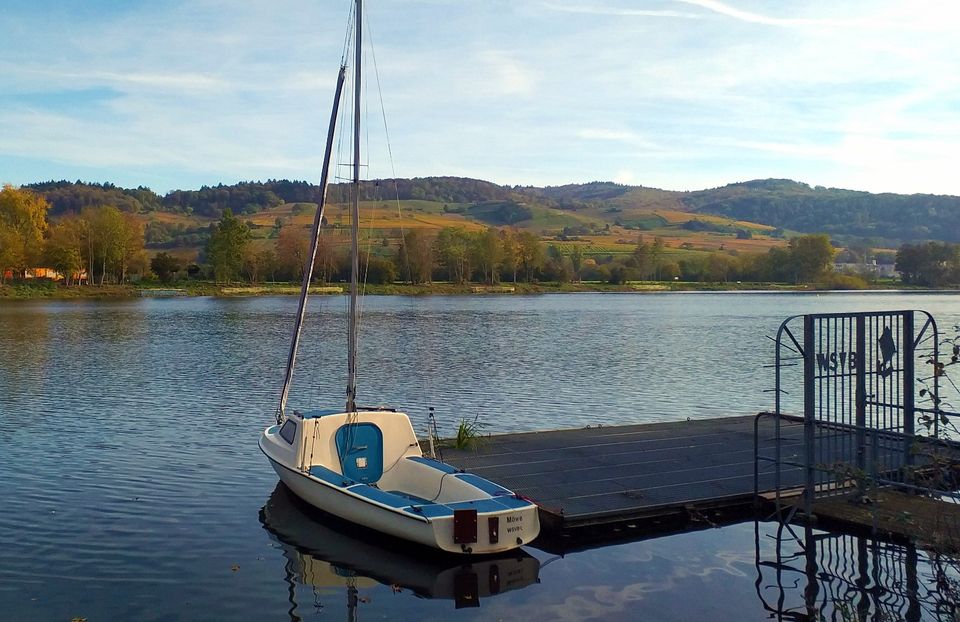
<point>611,474</point>
<point>654,477</point>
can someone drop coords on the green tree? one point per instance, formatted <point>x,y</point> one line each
<point>557,267</point>
<point>811,256</point>
<point>165,266</point>
<point>720,267</point>
<point>617,274</point>
<point>669,271</point>
<point>226,247</point>
<point>642,257</point>
<point>932,264</point>
<point>656,256</point>
<point>576,261</point>
<point>379,270</point>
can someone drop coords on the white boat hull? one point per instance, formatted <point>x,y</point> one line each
<point>501,520</point>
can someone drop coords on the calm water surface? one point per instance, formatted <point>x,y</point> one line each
<point>132,486</point>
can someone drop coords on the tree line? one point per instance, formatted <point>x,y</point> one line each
<point>497,255</point>
<point>100,242</point>
<point>105,244</point>
<point>253,196</point>
<point>452,254</point>
<point>931,264</point>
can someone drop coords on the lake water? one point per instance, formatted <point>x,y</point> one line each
<point>132,486</point>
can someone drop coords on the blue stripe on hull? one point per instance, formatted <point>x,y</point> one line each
<point>436,464</point>
<point>400,502</point>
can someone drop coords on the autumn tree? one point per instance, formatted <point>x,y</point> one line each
<point>415,258</point>
<point>488,255</point>
<point>510,250</point>
<point>23,222</point>
<point>103,232</point>
<point>325,263</point>
<point>293,246</point>
<point>259,264</point>
<point>131,256</point>
<point>11,251</point>
<point>529,255</point>
<point>453,249</point>
<point>63,248</point>
<point>227,245</point>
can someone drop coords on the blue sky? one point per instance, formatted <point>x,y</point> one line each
<point>677,94</point>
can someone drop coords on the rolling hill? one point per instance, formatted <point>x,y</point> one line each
<point>749,216</point>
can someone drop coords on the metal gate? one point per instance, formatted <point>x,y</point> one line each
<point>864,387</point>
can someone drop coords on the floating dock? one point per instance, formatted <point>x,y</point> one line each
<point>601,482</point>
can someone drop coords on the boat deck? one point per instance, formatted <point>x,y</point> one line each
<point>611,474</point>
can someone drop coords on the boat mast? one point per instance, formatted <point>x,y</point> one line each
<point>355,241</point>
<point>314,243</point>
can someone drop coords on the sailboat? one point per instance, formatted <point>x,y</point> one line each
<point>365,465</point>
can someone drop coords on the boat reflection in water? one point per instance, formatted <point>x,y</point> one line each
<point>323,552</point>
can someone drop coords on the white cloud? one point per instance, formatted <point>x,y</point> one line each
<point>748,16</point>
<point>593,9</point>
<point>517,92</point>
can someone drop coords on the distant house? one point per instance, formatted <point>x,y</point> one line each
<point>47,273</point>
<point>871,268</point>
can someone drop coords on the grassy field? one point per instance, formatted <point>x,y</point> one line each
<point>616,230</point>
<point>375,216</point>
<point>676,242</point>
<point>46,289</point>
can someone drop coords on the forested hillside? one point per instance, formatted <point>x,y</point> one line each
<point>792,205</point>
<point>778,203</point>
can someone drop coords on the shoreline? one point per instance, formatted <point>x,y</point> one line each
<point>201,289</point>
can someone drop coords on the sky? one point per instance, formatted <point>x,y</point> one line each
<point>674,94</point>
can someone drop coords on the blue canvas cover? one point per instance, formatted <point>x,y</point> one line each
<point>360,447</point>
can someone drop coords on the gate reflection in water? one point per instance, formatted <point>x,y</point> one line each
<point>325,555</point>
<point>813,575</point>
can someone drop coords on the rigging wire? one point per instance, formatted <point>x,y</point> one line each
<point>417,344</point>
